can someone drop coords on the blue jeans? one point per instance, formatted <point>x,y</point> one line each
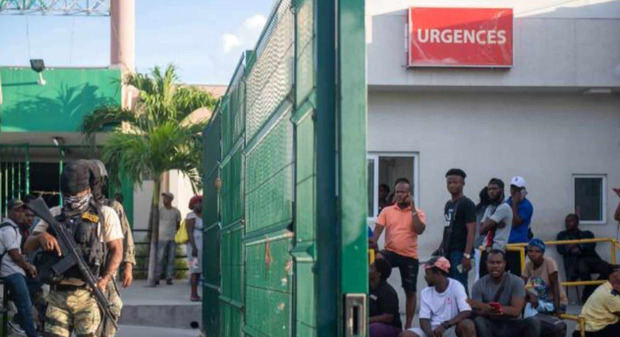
<point>165,256</point>
<point>21,297</point>
<point>455,258</point>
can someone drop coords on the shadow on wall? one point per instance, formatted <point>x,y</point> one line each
<point>64,112</point>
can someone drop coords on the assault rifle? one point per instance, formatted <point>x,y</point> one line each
<point>71,255</point>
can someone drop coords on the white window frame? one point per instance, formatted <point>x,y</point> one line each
<point>376,155</point>
<point>603,178</point>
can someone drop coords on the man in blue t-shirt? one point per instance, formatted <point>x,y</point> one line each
<point>522,211</point>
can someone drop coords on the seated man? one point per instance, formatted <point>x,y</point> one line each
<point>602,310</point>
<point>545,297</point>
<point>14,267</point>
<point>581,260</point>
<point>384,316</point>
<point>497,301</point>
<point>444,310</point>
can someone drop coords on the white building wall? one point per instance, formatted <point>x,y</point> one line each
<point>544,137</point>
<point>567,45</point>
<point>179,185</point>
<point>142,196</point>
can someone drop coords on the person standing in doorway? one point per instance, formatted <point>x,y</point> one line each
<point>402,222</point>
<point>384,193</point>
<point>169,221</point>
<point>522,211</point>
<point>458,236</point>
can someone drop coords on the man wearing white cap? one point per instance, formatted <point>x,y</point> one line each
<point>522,211</point>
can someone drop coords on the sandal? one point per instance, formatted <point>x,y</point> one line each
<point>194,298</point>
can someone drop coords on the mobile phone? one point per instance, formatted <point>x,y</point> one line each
<point>495,306</point>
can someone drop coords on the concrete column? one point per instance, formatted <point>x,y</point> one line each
<point>123,34</point>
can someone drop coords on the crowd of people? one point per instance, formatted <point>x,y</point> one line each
<point>505,299</point>
<point>33,260</point>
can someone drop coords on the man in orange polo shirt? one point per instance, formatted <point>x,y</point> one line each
<point>403,222</point>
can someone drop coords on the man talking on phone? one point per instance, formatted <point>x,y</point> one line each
<point>402,222</point>
<point>498,300</point>
<point>522,211</point>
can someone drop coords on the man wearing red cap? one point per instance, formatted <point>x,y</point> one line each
<point>444,310</point>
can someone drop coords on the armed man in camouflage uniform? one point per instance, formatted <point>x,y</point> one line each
<point>72,307</point>
<point>98,182</point>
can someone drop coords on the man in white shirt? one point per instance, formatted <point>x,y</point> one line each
<point>444,310</point>
<point>14,266</point>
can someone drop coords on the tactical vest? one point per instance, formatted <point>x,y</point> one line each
<point>83,228</point>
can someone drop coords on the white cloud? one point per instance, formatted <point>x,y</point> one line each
<point>246,37</point>
<point>255,23</point>
<point>229,42</point>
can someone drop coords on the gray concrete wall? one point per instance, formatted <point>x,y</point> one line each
<point>545,137</point>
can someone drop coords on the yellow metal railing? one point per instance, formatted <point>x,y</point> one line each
<point>520,247</point>
<point>579,319</point>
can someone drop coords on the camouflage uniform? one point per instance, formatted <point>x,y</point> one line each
<point>71,306</point>
<point>116,304</point>
<point>72,310</point>
<point>128,245</point>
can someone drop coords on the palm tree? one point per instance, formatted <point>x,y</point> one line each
<point>153,138</point>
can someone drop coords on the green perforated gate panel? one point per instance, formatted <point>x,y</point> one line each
<point>262,247</point>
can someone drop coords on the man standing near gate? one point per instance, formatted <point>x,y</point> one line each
<point>402,222</point>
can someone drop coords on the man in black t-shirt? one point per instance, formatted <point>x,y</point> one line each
<point>460,221</point>
<point>384,316</point>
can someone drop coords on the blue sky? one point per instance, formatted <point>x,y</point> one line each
<point>203,38</point>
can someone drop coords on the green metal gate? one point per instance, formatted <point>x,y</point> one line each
<point>14,174</point>
<point>285,233</point>
<point>20,170</point>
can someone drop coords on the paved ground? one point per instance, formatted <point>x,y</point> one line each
<point>140,294</point>
<point>144,331</point>
<point>165,306</point>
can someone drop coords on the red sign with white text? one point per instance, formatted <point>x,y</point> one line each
<point>460,37</point>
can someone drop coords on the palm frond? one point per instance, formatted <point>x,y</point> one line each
<point>106,116</point>
<point>156,141</point>
<point>127,154</point>
<point>188,99</point>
